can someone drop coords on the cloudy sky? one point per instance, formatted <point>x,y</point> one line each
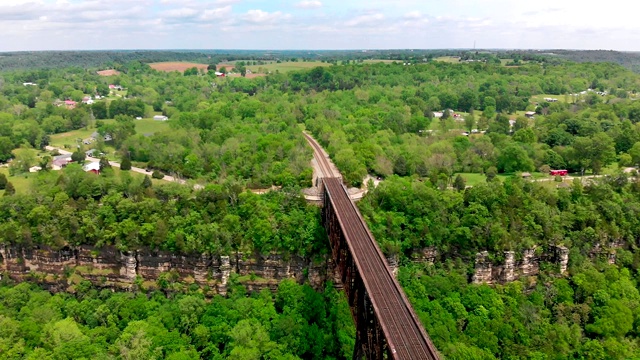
<point>317,24</point>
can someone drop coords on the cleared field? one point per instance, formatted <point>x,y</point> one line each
<point>22,183</point>
<point>473,179</point>
<point>70,138</point>
<point>285,66</point>
<point>150,126</point>
<point>377,61</point>
<point>449,59</point>
<point>561,98</point>
<point>108,72</point>
<point>177,66</point>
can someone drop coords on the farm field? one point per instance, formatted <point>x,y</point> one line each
<point>110,72</point>
<point>176,66</point>
<point>376,61</point>
<point>286,66</point>
<point>448,59</point>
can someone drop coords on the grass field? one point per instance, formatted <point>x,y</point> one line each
<point>376,61</point>
<point>144,126</point>
<point>448,59</point>
<point>540,98</point>
<point>69,138</point>
<point>177,66</point>
<point>473,179</point>
<point>22,183</point>
<point>285,66</point>
<point>150,126</point>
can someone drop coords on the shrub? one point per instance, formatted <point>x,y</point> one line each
<point>157,174</point>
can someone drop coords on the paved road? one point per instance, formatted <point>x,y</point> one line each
<point>115,164</point>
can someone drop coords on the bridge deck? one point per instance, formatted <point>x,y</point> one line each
<point>404,334</point>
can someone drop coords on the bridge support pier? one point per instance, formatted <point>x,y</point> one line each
<point>370,340</point>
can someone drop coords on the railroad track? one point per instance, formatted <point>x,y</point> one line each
<point>325,165</point>
<point>404,334</point>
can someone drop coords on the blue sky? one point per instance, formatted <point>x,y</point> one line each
<point>317,24</point>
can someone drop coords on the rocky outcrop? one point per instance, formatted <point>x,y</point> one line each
<point>428,255</point>
<point>562,257</point>
<point>392,261</point>
<point>107,267</point>
<point>485,271</point>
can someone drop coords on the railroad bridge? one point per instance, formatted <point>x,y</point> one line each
<point>386,325</point>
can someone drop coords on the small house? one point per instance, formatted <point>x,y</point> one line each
<point>530,114</point>
<point>160,118</point>
<point>70,104</point>
<point>526,175</point>
<point>34,169</point>
<point>60,161</point>
<point>92,166</point>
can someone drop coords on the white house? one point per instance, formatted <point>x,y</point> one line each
<point>93,166</point>
<point>160,118</point>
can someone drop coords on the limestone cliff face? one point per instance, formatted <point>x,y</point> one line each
<point>529,265</point>
<point>107,267</point>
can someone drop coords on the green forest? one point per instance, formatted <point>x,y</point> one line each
<point>462,150</point>
<point>296,322</point>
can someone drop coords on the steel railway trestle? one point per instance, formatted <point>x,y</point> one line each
<point>386,325</point>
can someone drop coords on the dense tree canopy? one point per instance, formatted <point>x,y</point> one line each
<point>294,323</point>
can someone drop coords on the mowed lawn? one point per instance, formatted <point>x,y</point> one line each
<point>150,126</point>
<point>144,126</point>
<point>22,183</point>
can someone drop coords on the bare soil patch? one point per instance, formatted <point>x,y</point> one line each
<point>110,72</point>
<point>177,66</point>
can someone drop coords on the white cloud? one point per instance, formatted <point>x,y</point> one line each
<point>308,4</point>
<point>264,17</point>
<point>76,24</point>
<point>226,2</point>
<point>413,15</point>
<point>365,20</point>
<point>214,14</point>
<point>180,13</point>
